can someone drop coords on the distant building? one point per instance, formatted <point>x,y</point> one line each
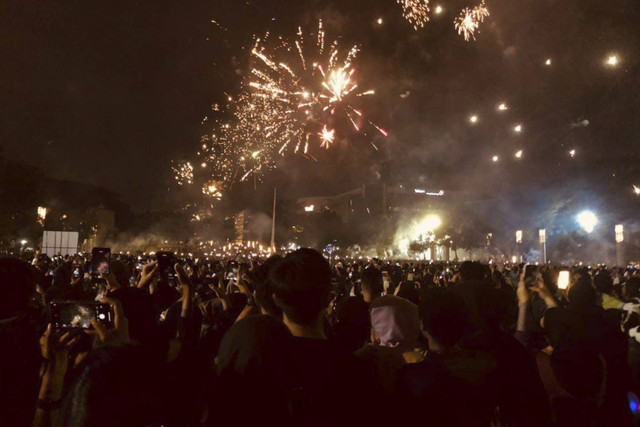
<point>376,200</point>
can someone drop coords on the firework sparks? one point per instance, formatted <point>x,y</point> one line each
<point>301,89</point>
<point>327,136</point>
<point>416,12</point>
<point>212,190</point>
<point>183,173</point>
<point>299,94</point>
<point>469,20</point>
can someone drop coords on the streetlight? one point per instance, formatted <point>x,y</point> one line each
<point>619,245</point>
<point>542,233</point>
<point>518,236</point>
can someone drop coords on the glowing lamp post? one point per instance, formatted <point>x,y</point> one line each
<point>543,244</point>
<point>620,245</point>
<point>519,243</point>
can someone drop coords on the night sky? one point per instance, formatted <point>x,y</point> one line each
<point>111,92</point>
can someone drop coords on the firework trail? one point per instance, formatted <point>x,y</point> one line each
<point>415,11</point>
<point>469,20</point>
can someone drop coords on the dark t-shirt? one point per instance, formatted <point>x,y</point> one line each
<point>352,325</point>
<point>331,387</point>
<point>19,365</point>
<point>456,388</point>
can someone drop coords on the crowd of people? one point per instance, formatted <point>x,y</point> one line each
<point>298,340</point>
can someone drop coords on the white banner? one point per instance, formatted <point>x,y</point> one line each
<point>60,243</point>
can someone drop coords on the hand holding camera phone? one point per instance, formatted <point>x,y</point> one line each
<point>78,314</point>
<point>531,275</point>
<point>100,261</point>
<point>166,265</point>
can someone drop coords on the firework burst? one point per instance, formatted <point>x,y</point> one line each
<point>469,20</point>
<point>183,173</point>
<point>212,189</point>
<point>327,136</point>
<point>415,11</point>
<point>304,87</point>
<point>299,94</point>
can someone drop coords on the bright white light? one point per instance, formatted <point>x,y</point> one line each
<point>518,236</point>
<point>495,158</point>
<point>619,233</point>
<point>572,153</point>
<point>429,224</point>
<point>503,107</point>
<point>636,189</point>
<point>587,221</point>
<point>438,10</point>
<point>548,62</point>
<point>473,119</point>
<point>518,128</point>
<point>23,242</point>
<point>612,60</point>
<point>309,208</point>
<point>518,154</point>
<point>380,21</point>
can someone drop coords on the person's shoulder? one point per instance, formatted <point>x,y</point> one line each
<point>366,352</point>
<point>326,351</point>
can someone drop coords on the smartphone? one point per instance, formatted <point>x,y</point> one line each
<point>76,272</point>
<point>563,279</point>
<point>100,261</point>
<point>530,275</point>
<point>78,314</point>
<point>166,264</point>
<point>233,275</point>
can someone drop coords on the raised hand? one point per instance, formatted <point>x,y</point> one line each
<point>147,274</point>
<point>119,334</point>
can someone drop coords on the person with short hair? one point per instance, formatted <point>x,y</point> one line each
<point>331,386</point>
<point>451,386</point>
